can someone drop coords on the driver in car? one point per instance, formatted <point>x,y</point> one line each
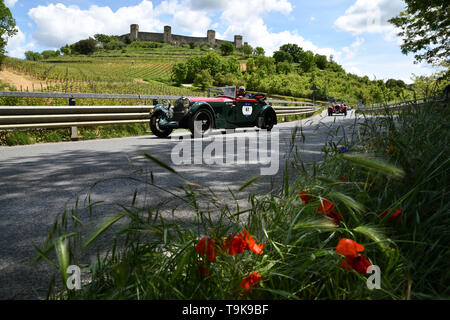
<point>242,93</point>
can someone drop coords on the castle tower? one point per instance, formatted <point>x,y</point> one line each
<point>238,42</point>
<point>211,37</point>
<point>167,34</point>
<point>134,31</point>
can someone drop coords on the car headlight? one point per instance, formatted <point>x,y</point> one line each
<point>186,103</point>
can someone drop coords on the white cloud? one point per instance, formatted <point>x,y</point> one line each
<point>18,45</point>
<point>256,32</point>
<point>370,16</point>
<point>10,3</point>
<point>58,24</point>
<point>351,50</point>
<point>206,4</point>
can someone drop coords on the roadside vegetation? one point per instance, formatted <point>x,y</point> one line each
<point>378,198</point>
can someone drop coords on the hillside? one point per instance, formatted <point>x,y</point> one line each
<point>148,68</point>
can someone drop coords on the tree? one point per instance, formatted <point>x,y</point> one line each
<point>282,56</point>
<point>321,61</point>
<point>46,54</point>
<point>284,68</point>
<point>307,63</point>
<point>294,50</point>
<point>33,56</point>
<point>227,48</point>
<point>85,46</point>
<point>247,49</point>
<point>65,50</point>
<point>203,79</point>
<point>179,71</point>
<point>103,38</point>
<point>7,28</point>
<point>425,29</point>
<point>259,52</point>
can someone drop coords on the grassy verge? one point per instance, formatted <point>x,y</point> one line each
<point>32,136</point>
<point>386,190</point>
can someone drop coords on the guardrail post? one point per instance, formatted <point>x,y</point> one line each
<point>73,130</point>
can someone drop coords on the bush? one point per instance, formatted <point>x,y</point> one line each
<point>33,56</point>
<point>114,45</point>
<point>203,79</point>
<point>16,138</point>
<point>227,48</point>
<point>87,46</point>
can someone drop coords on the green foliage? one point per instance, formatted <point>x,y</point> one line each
<point>103,38</point>
<point>46,54</point>
<point>425,29</point>
<point>85,46</point>
<point>307,63</point>
<point>114,44</point>
<point>247,49</point>
<point>284,68</point>
<point>282,56</point>
<point>227,48</point>
<point>7,28</point>
<point>179,72</point>
<point>212,62</point>
<point>33,56</point>
<point>294,51</point>
<point>203,79</point>
<point>65,50</point>
<point>259,51</point>
<point>17,138</point>
<point>321,61</point>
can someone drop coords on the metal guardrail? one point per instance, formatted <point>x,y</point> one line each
<point>23,117</point>
<point>397,105</point>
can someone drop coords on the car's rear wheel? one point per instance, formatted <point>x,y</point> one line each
<point>205,121</point>
<point>154,126</point>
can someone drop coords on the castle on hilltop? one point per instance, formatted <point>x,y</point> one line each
<point>168,37</point>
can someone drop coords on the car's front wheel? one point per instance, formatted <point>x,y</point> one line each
<point>154,126</point>
<point>201,123</point>
<point>269,121</point>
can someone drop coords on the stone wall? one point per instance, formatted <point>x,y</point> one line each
<point>168,37</point>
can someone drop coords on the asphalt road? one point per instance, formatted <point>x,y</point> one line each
<point>39,182</point>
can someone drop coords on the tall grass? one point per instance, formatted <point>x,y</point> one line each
<point>397,162</point>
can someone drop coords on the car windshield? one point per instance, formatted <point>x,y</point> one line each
<point>228,91</point>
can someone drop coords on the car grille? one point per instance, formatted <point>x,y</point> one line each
<point>179,111</point>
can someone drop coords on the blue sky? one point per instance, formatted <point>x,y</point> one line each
<point>355,32</point>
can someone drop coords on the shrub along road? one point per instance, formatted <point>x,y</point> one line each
<point>39,182</point>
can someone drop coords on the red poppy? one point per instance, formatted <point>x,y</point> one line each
<point>202,269</point>
<point>327,207</point>
<point>349,247</point>
<point>235,244</point>
<point>358,263</point>
<point>304,196</point>
<point>343,179</point>
<point>390,149</point>
<point>206,246</point>
<point>251,281</point>
<point>393,216</point>
<point>335,216</point>
<point>251,244</point>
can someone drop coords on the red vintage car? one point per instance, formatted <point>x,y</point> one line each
<point>337,108</point>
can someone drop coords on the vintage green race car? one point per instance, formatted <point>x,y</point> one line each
<point>202,115</point>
